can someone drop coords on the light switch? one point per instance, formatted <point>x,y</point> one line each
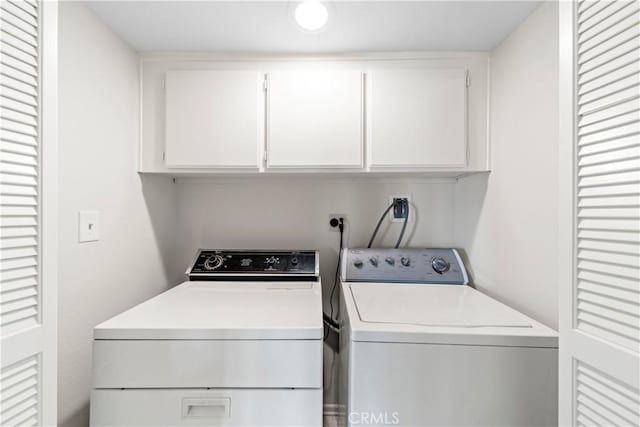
<point>88,226</point>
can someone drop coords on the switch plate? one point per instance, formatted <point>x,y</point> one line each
<point>88,226</point>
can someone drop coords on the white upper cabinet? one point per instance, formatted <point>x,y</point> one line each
<point>315,119</point>
<point>419,113</point>
<point>417,118</point>
<point>214,119</point>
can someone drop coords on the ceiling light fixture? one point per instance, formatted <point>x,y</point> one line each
<point>311,15</point>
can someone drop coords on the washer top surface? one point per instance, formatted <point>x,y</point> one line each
<point>223,310</point>
<point>432,313</point>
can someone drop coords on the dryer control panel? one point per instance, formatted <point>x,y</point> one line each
<point>248,265</point>
<point>408,265</point>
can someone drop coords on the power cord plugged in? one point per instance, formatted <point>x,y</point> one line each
<point>332,328</point>
<point>400,207</point>
<point>336,222</point>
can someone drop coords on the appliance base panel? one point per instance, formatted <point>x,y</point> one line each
<point>451,385</point>
<point>210,407</point>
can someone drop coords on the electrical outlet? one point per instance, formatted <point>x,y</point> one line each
<point>394,212</point>
<point>336,217</point>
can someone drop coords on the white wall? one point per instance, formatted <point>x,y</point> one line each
<point>507,220</point>
<point>98,113</point>
<point>293,212</point>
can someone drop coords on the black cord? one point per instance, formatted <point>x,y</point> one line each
<point>404,225</point>
<point>373,236</point>
<point>328,320</point>
<point>405,205</point>
<point>335,277</point>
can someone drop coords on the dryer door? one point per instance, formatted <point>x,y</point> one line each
<point>206,407</point>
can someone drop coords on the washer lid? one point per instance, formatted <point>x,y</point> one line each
<point>433,305</point>
<point>438,314</point>
<point>220,310</point>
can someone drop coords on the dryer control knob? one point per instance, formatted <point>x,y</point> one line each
<point>373,261</point>
<point>406,261</point>
<point>440,265</point>
<point>390,260</point>
<point>358,263</point>
<point>213,262</point>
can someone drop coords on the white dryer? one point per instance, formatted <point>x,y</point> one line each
<point>421,348</point>
<point>239,344</point>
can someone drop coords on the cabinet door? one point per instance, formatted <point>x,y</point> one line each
<point>214,118</point>
<point>315,119</point>
<point>417,118</point>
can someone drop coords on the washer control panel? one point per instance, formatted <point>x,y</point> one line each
<point>410,265</point>
<point>214,264</point>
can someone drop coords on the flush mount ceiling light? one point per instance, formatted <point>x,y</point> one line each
<point>311,15</point>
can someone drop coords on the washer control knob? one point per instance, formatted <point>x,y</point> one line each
<point>440,265</point>
<point>405,261</point>
<point>213,262</point>
<point>358,263</point>
<point>390,260</point>
<point>374,261</point>
<point>294,261</point>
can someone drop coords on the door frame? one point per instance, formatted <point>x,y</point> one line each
<point>49,211</point>
<point>566,203</point>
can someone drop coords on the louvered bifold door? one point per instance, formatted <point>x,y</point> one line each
<point>20,215</point>
<point>605,297</point>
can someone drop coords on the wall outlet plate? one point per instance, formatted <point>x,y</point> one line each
<point>336,216</point>
<point>411,208</point>
<point>88,226</point>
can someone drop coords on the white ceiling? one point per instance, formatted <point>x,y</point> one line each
<point>354,26</point>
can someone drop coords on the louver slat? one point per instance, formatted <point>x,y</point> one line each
<point>12,27</point>
<point>611,40</point>
<point>17,138</point>
<point>13,11</point>
<point>608,178</point>
<point>20,390</point>
<point>604,400</point>
<point>611,190</point>
<point>592,10</point>
<point>30,8</point>
<point>610,292</point>
<point>18,43</point>
<point>621,118</point>
<point>610,18</point>
<point>618,87</point>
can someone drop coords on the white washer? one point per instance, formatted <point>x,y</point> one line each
<point>239,344</point>
<point>420,348</point>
